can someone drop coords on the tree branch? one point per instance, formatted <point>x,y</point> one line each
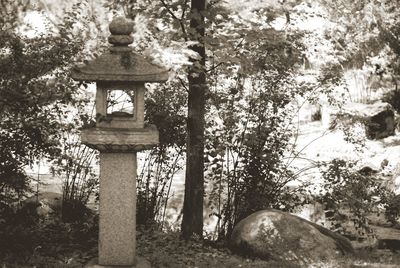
<point>182,25</point>
<point>214,67</point>
<point>184,8</point>
<point>183,84</point>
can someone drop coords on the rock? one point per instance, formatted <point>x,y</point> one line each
<point>378,118</point>
<point>45,204</point>
<point>51,204</point>
<point>44,210</point>
<point>272,234</point>
<point>384,163</point>
<point>382,124</point>
<point>368,170</point>
<point>392,244</point>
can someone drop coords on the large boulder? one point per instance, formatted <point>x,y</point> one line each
<point>277,235</point>
<point>379,118</point>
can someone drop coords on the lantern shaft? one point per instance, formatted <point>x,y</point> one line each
<point>117,241</point>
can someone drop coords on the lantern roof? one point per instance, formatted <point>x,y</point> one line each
<point>120,63</point>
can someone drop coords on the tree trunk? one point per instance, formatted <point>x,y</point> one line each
<point>192,222</point>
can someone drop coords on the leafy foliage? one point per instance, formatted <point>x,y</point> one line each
<point>367,34</point>
<point>247,142</point>
<point>37,95</point>
<point>31,104</point>
<point>75,164</point>
<point>392,209</point>
<point>164,106</point>
<point>350,196</point>
<point>34,241</point>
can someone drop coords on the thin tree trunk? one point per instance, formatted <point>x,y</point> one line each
<point>192,222</point>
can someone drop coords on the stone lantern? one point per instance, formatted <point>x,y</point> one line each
<point>118,135</point>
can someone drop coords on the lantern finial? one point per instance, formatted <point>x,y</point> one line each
<point>121,30</point>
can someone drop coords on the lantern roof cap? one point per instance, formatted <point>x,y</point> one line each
<point>120,63</point>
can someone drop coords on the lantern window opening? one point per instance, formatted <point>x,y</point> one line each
<point>121,103</point>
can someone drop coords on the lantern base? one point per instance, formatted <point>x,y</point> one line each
<point>120,140</point>
<point>139,263</point>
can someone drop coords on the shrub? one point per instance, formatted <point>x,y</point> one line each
<point>249,131</point>
<point>35,91</point>
<point>392,209</point>
<point>245,156</point>
<point>350,196</point>
<point>164,109</point>
<point>32,242</point>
